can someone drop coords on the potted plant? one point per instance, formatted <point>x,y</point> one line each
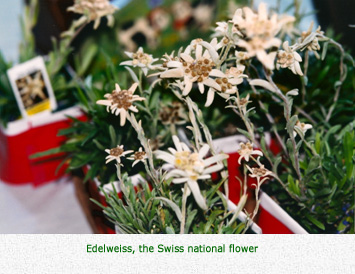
<point>262,82</point>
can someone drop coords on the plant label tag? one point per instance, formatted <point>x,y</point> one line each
<point>32,88</point>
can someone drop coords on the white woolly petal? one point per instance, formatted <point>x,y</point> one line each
<point>212,83</point>
<point>127,152</point>
<point>133,108</point>
<point>129,54</point>
<point>298,68</point>
<point>172,151</point>
<point>212,51</point>
<point>210,97</point>
<point>263,83</point>
<point>187,88</point>
<point>172,73</point>
<point>297,57</point>
<point>109,160</point>
<point>177,143</point>
<point>203,151</point>
<point>215,159</point>
<point>104,102</point>
<point>307,126</point>
<point>212,169</point>
<point>286,47</point>
<point>266,59</point>
<point>96,23</point>
<point>204,177</point>
<point>201,88</point>
<point>117,87</point>
<point>195,189</point>
<point>133,87</point>
<point>123,115</point>
<point>117,111</point>
<point>174,64</point>
<point>180,180</point>
<point>186,57</point>
<point>224,95</point>
<point>262,10</point>
<point>135,162</point>
<point>198,51</point>
<point>257,152</point>
<point>127,63</point>
<point>217,73</point>
<point>167,157</point>
<point>176,173</point>
<point>185,147</point>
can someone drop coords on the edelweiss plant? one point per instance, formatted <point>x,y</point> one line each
<point>308,166</point>
<point>93,10</point>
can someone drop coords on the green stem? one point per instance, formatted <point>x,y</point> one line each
<point>183,210</point>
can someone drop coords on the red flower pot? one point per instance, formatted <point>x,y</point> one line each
<point>23,138</point>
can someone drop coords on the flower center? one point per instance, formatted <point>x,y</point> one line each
<point>260,172</point>
<point>116,151</point>
<point>139,155</point>
<point>200,68</point>
<point>285,59</point>
<point>245,148</point>
<point>243,101</point>
<point>142,58</point>
<point>122,99</point>
<point>223,83</point>
<point>187,161</point>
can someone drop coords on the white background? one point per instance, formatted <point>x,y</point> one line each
<point>275,254</point>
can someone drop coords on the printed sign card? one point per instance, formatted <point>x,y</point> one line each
<point>32,88</point>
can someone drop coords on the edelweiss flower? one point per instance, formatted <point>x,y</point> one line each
<point>116,154</point>
<point>302,127</point>
<point>139,156</point>
<point>194,70</point>
<point>93,10</point>
<point>222,29</point>
<point>140,59</point>
<point>120,101</point>
<point>290,59</point>
<point>30,88</point>
<point>173,114</point>
<point>233,77</point>
<point>246,150</point>
<point>312,45</point>
<point>259,172</point>
<point>243,103</point>
<point>241,56</point>
<point>258,33</point>
<point>189,167</point>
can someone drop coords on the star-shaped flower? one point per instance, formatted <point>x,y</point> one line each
<point>140,59</point>
<point>93,10</point>
<point>138,156</point>
<point>259,172</point>
<point>302,127</point>
<point>290,59</point>
<point>116,153</point>
<point>188,166</point>
<point>120,101</point>
<point>195,66</point>
<point>246,150</point>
